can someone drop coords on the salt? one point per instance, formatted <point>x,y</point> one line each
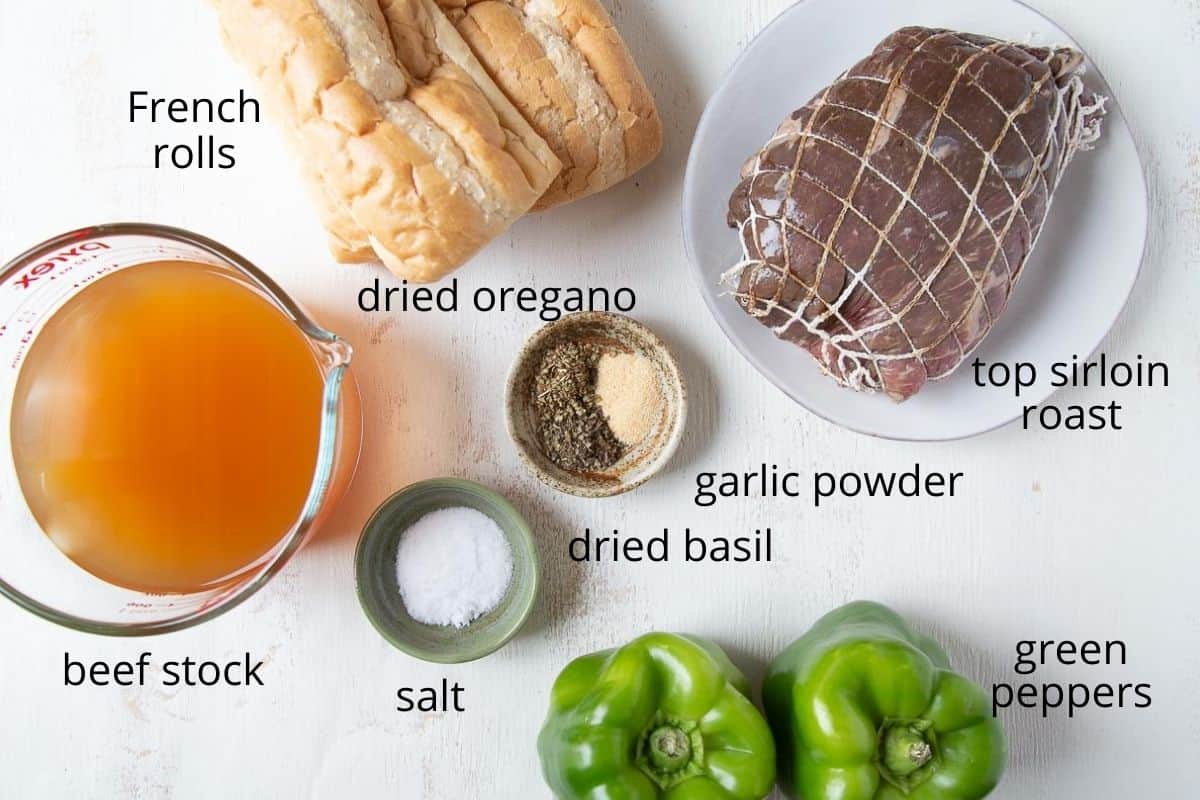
<point>453,566</point>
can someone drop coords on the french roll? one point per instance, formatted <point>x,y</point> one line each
<point>566,68</point>
<point>415,155</point>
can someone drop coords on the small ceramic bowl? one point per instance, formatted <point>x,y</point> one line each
<point>379,591</point>
<point>618,333</point>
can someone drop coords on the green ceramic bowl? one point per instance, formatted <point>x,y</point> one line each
<point>379,593</point>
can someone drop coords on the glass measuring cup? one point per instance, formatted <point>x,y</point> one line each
<point>34,573</point>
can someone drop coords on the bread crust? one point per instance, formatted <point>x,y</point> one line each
<point>412,157</point>
<point>565,66</point>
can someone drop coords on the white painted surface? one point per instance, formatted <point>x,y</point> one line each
<point>1056,535</point>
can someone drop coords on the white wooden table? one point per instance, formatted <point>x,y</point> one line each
<point>1054,535</point>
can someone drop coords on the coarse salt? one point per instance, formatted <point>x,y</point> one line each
<point>453,566</point>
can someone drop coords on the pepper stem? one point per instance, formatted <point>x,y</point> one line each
<point>670,748</point>
<point>907,749</point>
<point>670,751</point>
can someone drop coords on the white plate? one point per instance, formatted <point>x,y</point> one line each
<point>1074,285</point>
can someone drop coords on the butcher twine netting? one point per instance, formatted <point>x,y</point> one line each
<point>888,337</point>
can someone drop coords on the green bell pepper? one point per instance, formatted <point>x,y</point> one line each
<point>865,708</point>
<point>663,717</point>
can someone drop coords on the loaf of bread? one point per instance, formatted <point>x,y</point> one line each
<point>564,65</point>
<point>415,155</point>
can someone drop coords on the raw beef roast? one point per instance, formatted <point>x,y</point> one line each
<point>885,224</point>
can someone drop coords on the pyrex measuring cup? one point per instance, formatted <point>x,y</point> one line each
<point>34,573</point>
